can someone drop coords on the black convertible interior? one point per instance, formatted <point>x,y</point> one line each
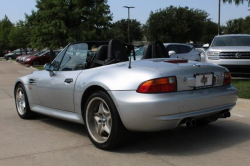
<point>86,55</point>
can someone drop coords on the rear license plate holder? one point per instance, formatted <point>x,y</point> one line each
<point>203,80</point>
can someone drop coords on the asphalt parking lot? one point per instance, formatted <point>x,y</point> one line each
<point>49,141</point>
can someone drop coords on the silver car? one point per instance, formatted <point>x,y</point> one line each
<point>230,51</point>
<point>112,95</point>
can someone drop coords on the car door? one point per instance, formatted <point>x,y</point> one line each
<point>57,91</point>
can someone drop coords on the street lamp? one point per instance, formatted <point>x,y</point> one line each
<point>128,7</point>
<point>219,19</point>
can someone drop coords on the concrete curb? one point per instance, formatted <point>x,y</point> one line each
<point>243,103</point>
<point>33,68</point>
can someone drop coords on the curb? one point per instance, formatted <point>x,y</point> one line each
<point>243,103</point>
<point>33,68</point>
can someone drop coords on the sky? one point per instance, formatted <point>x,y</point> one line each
<point>15,9</point>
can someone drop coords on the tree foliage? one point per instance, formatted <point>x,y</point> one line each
<point>5,28</point>
<point>58,22</point>
<point>19,35</point>
<point>175,24</point>
<point>237,2</point>
<point>120,30</point>
<point>237,26</point>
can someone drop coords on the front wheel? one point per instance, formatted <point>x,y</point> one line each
<point>36,63</point>
<point>22,104</point>
<point>103,122</point>
<point>9,58</point>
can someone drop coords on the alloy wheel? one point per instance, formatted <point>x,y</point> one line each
<point>98,120</point>
<point>20,101</point>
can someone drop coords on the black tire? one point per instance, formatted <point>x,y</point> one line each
<point>9,58</point>
<point>118,132</point>
<point>35,63</point>
<point>27,113</point>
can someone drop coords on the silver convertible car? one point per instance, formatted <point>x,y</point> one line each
<point>96,84</point>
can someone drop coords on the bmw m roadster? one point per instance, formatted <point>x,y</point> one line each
<point>97,84</point>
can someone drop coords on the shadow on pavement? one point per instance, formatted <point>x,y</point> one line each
<point>179,142</point>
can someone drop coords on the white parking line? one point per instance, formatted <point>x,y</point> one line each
<point>241,116</point>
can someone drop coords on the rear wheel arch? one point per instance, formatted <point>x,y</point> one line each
<point>88,92</point>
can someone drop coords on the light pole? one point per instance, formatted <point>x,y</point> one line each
<point>128,7</point>
<point>219,19</point>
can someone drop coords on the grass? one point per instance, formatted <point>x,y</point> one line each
<point>1,58</point>
<point>244,88</point>
<point>39,67</point>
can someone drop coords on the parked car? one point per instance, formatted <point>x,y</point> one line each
<point>40,59</point>
<point>25,55</point>
<point>111,95</point>
<point>202,53</point>
<point>21,59</point>
<point>183,51</point>
<point>14,54</point>
<point>232,52</point>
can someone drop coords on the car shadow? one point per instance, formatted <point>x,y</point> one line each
<point>191,141</point>
<point>65,125</point>
<point>182,141</point>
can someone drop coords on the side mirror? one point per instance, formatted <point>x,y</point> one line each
<point>49,67</point>
<point>205,46</point>
<point>171,53</point>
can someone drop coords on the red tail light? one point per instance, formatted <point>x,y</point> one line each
<point>160,85</point>
<point>227,78</point>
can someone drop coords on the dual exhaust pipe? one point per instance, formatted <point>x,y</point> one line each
<point>192,122</point>
<point>224,115</point>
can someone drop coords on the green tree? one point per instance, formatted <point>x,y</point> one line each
<point>234,26</point>
<point>246,25</point>
<point>175,24</point>
<point>5,28</point>
<point>19,35</point>
<point>120,30</point>
<point>210,29</point>
<point>58,22</point>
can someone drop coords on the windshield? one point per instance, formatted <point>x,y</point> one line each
<point>231,41</point>
<point>39,53</point>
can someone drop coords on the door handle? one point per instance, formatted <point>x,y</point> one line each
<point>68,80</point>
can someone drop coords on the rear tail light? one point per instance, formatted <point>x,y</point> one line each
<point>227,78</point>
<point>160,85</point>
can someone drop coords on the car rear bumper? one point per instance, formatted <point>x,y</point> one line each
<point>155,112</point>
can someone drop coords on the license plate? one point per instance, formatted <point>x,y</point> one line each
<point>204,80</point>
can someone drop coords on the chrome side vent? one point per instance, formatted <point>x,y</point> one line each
<point>32,81</point>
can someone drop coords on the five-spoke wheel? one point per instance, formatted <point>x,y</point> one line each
<point>20,101</point>
<point>99,120</point>
<point>103,122</point>
<point>22,104</point>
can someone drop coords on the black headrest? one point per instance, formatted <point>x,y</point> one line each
<point>102,53</point>
<point>147,53</point>
<point>155,50</point>
<point>116,51</point>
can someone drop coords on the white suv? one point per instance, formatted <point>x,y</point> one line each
<point>230,51</point>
